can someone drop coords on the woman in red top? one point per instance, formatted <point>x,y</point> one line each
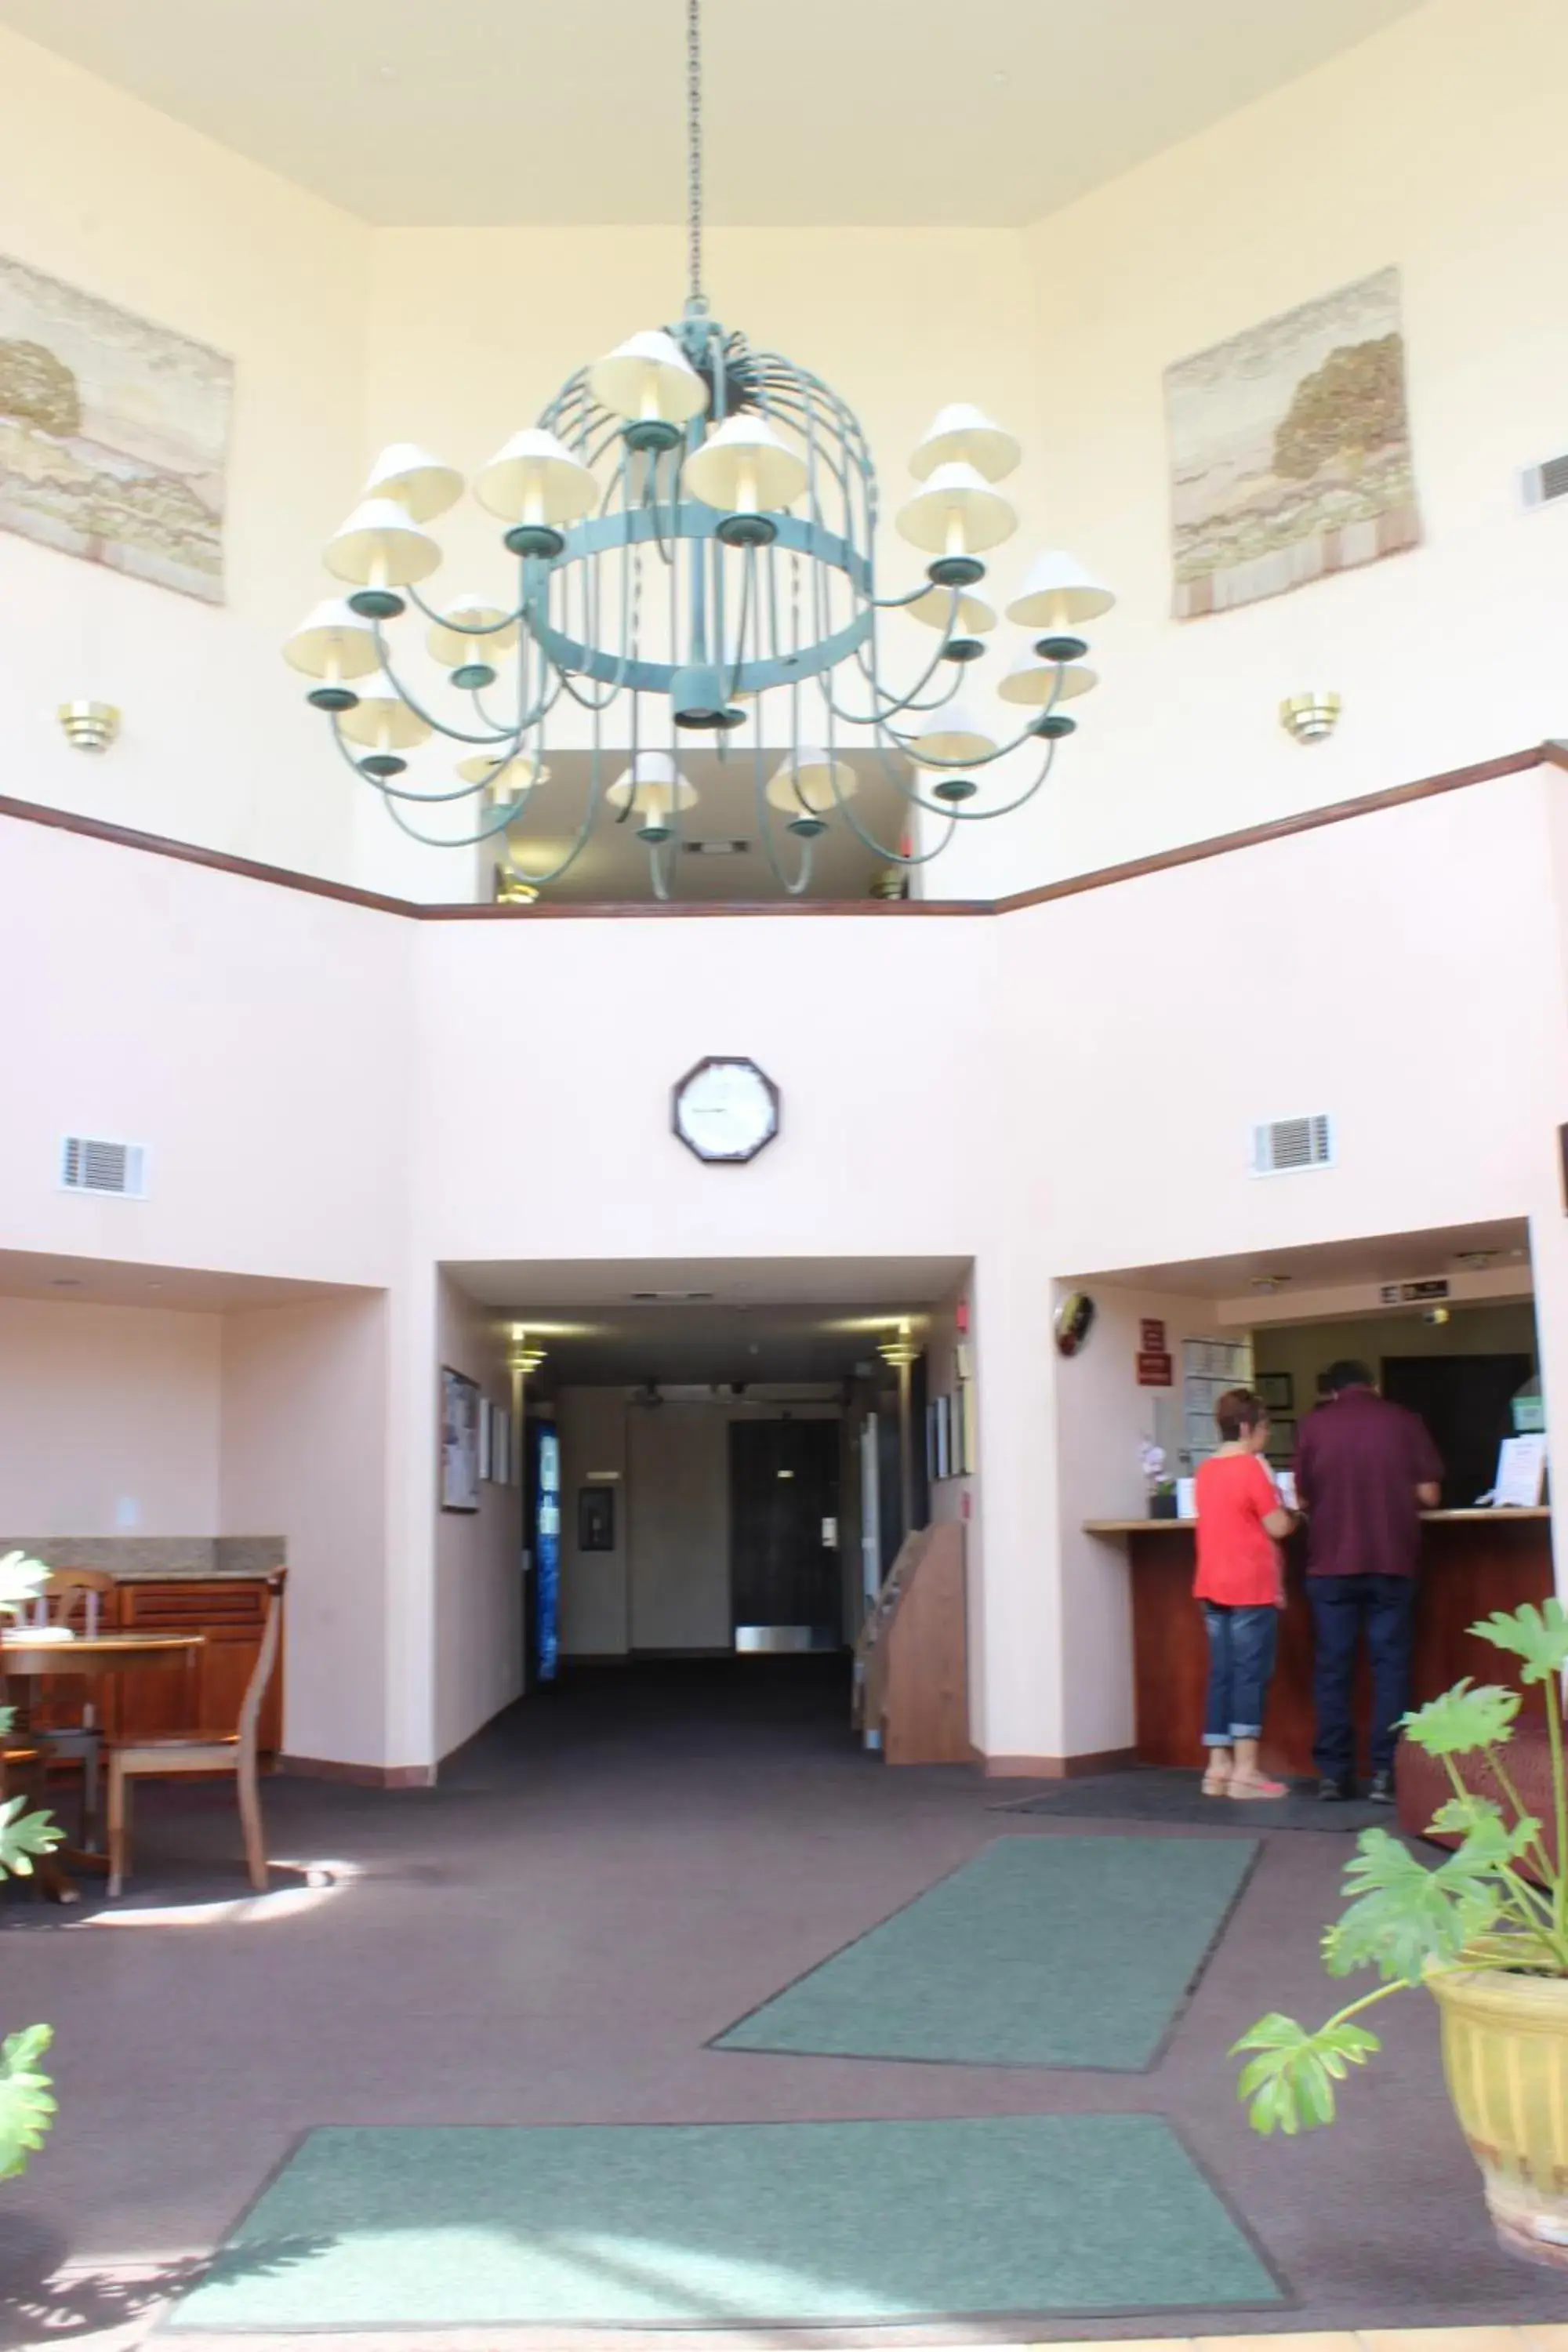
<point>1241,1582</point>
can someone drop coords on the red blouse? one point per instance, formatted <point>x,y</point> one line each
<point>1238,1563</point>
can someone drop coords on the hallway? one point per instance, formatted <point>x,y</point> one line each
<point>606,1881</point>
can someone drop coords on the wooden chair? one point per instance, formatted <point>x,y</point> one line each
<point>233,1752</point>
<point>69,1595</point>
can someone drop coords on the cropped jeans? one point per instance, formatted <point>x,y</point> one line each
<point>1241,1661</point>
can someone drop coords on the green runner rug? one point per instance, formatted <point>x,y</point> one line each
<point>730,2225</point>
<point>1043,1951</point>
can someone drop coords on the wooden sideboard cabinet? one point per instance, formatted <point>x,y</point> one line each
<point>198,1694</point>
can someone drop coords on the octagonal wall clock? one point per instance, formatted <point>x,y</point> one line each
<point>725,1109</point>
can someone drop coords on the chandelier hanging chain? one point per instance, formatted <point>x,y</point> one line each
<point>694,153</point>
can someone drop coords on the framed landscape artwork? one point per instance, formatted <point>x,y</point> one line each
<point>1290,453</point>
<point>113,434</point>
<point>460,1442</point>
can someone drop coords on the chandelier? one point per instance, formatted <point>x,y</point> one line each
<point>691,526</point>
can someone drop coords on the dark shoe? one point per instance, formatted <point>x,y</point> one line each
<point>1380,1788</point>
<point>1335,1792</point>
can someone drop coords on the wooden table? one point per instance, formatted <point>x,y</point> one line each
<point>1472,1562</point>
<point>26,1663</point>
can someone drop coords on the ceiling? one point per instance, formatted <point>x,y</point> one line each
<point>835,111</point>
<point>786,1319</point>
<point>1342,1264</point>
<point>612,867</point>
<point>112,1281</point>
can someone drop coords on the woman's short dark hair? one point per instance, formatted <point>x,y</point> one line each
<point>1238,1409</point>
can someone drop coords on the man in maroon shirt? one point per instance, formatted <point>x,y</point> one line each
<point>1365,1471</point>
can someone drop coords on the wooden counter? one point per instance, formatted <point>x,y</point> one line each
<point>1472,1562</point>
<point>149,1703</point>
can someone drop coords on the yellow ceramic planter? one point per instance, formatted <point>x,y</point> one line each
<point>1505,2054</point>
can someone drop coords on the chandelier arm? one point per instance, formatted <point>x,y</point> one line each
<point>391,791</point>
<point>437,725</point>
<point>879,849</point>
<point>764,833</point>
<point>978,815</point>
<point>894,704</point>
<point>459,627</point>
<point>579,841</point>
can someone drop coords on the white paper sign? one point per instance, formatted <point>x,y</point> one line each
<point>1186,1498</point>
<point>1520,1472</point>
<point>1285,1482</point>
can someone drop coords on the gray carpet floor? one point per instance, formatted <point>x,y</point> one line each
<point>609,1878</point>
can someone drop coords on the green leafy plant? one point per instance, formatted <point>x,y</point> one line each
<point>1500,1900</point>
<point>26,2101</point>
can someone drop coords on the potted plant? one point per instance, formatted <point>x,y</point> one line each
<point>1161,1488</point>
<point>1486,1931</point>
<point>26,2102</point>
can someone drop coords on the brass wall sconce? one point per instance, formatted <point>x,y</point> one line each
<point>90,725</point>
<point>511,890</point>
<point>1310,716</point>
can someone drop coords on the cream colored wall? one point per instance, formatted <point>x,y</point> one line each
<point>1446,161</point>
<point>304,1451</point>
<point>1435,146</point>
<point>109,1421</point>
<point>478,1596</point>
<point>217,747</point>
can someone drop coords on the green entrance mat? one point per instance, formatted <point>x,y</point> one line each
<point>722,2225</point>
<point>1049,1951</point>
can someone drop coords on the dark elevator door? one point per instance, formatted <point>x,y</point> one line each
<point>783,1525</point>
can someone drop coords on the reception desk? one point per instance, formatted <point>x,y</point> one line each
<point>1472,1562</point>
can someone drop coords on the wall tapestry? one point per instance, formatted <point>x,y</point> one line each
<point>1291,450</point>
<point>113,434</point>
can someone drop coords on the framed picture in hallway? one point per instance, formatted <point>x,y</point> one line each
<point>460,1442</point>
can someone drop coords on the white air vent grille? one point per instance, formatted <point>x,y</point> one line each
<point>1283,1147</point>
<point>1546,481</point>
<point>89,1163</point>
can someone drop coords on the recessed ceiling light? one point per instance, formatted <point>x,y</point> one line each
<point>1477,1261</point>
<point>1269,1283</point>
<point>65,1282</point>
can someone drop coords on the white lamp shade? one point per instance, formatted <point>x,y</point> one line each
<point>743,466</point>
<point>652,786</point>
<point>649,376</point>
<point>1034,683</point>
<point>534,478</point>
<point>381,720</point>
<point>504,780</point>
<point>950,734</point>
<point>957,513</point>
<point>965,435</point>
<point>452,644</point>
<point>421,484</point>
<point>1057,593</point>
<point>379,546</point>
<point>973,617</point>
<point>811,781</point>
<point>333,642</point>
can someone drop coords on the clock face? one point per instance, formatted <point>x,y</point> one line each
<point>726,1110</point>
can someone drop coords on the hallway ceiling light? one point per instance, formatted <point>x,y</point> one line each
<point>693,524</point>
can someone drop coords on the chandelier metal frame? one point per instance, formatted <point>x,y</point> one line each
<point>693,522</point>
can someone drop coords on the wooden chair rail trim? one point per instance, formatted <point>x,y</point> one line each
<point>123,836</point>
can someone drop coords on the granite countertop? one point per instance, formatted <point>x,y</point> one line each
<point>158,1560</point>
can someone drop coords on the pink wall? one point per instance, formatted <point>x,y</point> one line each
<point>255,1039</point>
<point>331,1091</point>
<point>304,1455</point>
<point>109,1420</point>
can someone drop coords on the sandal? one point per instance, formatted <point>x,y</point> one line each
<point>1253,1792</point>
<point>1216,1784</point>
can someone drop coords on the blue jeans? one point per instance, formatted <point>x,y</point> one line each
<point>1342,1606</point>
<point>1241,1660</point>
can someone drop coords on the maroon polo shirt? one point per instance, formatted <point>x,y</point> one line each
<point>1360,1462</point>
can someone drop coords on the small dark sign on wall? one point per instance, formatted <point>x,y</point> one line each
<point>1151,1336</point>
<point>1563,1155</point>
<point>596,1518</point>
<point>1155,1371</point>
